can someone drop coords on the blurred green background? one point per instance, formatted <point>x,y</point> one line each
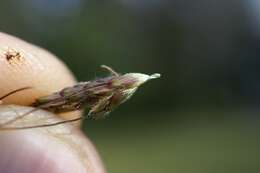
<point>201,116</point>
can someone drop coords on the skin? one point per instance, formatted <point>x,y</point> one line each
<point>57,149</point>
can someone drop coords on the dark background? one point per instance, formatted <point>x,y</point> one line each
<point>201,116</point>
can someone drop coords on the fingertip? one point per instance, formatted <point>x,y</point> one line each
<point>57,149</point>
<point>25,65</point>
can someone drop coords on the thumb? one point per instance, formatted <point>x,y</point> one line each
<point>57,149</point>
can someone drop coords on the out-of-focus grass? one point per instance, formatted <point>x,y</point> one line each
<point>188,146</point>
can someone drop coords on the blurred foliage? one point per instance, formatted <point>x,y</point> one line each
<point>194,144</point>
<point>206,52</point>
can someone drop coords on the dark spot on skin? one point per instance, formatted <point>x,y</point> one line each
<point>13,56</point>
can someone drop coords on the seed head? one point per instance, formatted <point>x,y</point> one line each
<point>99,96</point>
